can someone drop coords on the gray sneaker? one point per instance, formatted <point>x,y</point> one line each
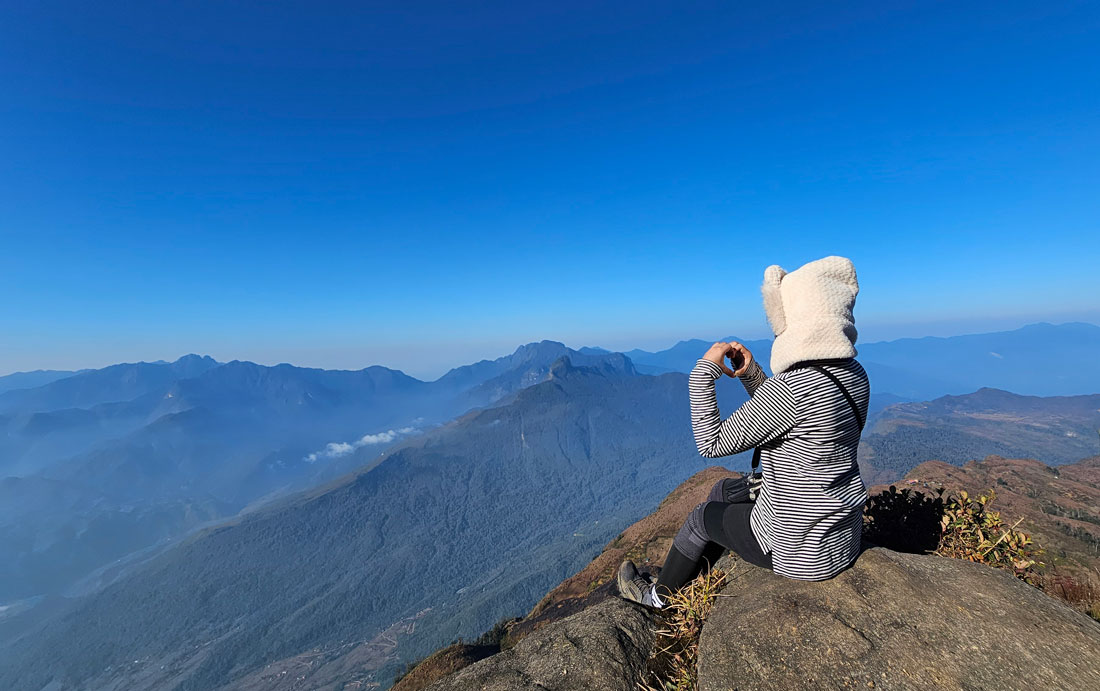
<point>634,586</point>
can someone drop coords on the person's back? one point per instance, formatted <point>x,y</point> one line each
<point>809,511</point>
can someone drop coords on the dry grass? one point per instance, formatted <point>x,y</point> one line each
<point>674,663</point>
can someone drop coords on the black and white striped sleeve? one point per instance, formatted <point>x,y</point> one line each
<point>768,414</point>
<point>754,377</point>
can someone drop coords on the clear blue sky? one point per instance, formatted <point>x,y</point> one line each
<point>421,184</point>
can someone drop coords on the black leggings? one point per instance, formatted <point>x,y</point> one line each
<point>711,528</point>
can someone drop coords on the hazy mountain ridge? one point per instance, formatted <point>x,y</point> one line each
<point>956,429</point>
<point>197,432</point>
<point>123,382</point>
<point>510,498</point>
<point>682,356</point>
<point>33,379</point>
<point>1040,359</point>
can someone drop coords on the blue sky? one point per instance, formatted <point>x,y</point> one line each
<point>425,184</point>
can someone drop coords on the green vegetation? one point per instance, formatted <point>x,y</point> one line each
<point>972,531</point>
<point>905,521</point>
<point>955,429</point>
<point>962,527</point>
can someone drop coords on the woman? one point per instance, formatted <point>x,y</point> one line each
<point>805,422</point>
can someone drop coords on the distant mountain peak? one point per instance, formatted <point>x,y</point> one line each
<point>1074,326</point>
<point>194,358</point>
<point>613,363</point>
<point>539,349</point>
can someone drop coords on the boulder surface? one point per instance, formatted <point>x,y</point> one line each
<point>895,621</point>
<point>602,648</point>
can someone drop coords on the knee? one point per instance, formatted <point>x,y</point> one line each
<point>696,524</point>
<point>693,538</point>
<point>718,491</point>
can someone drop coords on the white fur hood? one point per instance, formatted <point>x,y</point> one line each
<point>810,311</point>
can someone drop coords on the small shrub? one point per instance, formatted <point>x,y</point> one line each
<point>972,531</point>
<point>905,521</point>
<point>497,634</point>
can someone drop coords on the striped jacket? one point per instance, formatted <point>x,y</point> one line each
<point>809,514</point>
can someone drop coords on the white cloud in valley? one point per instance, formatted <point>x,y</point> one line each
<point>342,448</point>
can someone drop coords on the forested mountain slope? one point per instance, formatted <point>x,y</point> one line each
<point>481,516</point>
<point>106,462</point>
<point>956,429</point>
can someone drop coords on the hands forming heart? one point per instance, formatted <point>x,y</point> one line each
<point>739,357</point>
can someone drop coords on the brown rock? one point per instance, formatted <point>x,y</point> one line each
<point>441,663</point>
<point>603,648</point>
<point>896,621</point>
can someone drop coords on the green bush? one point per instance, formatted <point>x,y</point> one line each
<point>972,531</point>
<point>904,521</point>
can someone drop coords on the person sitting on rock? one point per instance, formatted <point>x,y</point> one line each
<point>805,423</point>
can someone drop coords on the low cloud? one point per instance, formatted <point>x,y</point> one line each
<point>342,448</point>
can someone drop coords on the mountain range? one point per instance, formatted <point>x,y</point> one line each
<point>107,462</point>
<point>1038,359</point>
<point>956,429</point>
<point>483,513</point>
<point>468,497</point>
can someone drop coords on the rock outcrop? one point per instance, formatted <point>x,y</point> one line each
<point>895,621</point>
<point>892,621</point>
<point>603,648</point>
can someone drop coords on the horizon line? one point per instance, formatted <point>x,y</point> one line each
<point>514,350</point>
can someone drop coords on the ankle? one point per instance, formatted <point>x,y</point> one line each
<point>653,598</point>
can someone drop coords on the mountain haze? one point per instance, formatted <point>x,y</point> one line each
<point>1038,359</point>
<point>488,511</point>
<point>429,511</point>
<point>198,440</point>
<point>30,380</point>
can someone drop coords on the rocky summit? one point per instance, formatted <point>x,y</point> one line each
<point>892,621</point>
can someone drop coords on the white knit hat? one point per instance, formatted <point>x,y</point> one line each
<point>810,311</point>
